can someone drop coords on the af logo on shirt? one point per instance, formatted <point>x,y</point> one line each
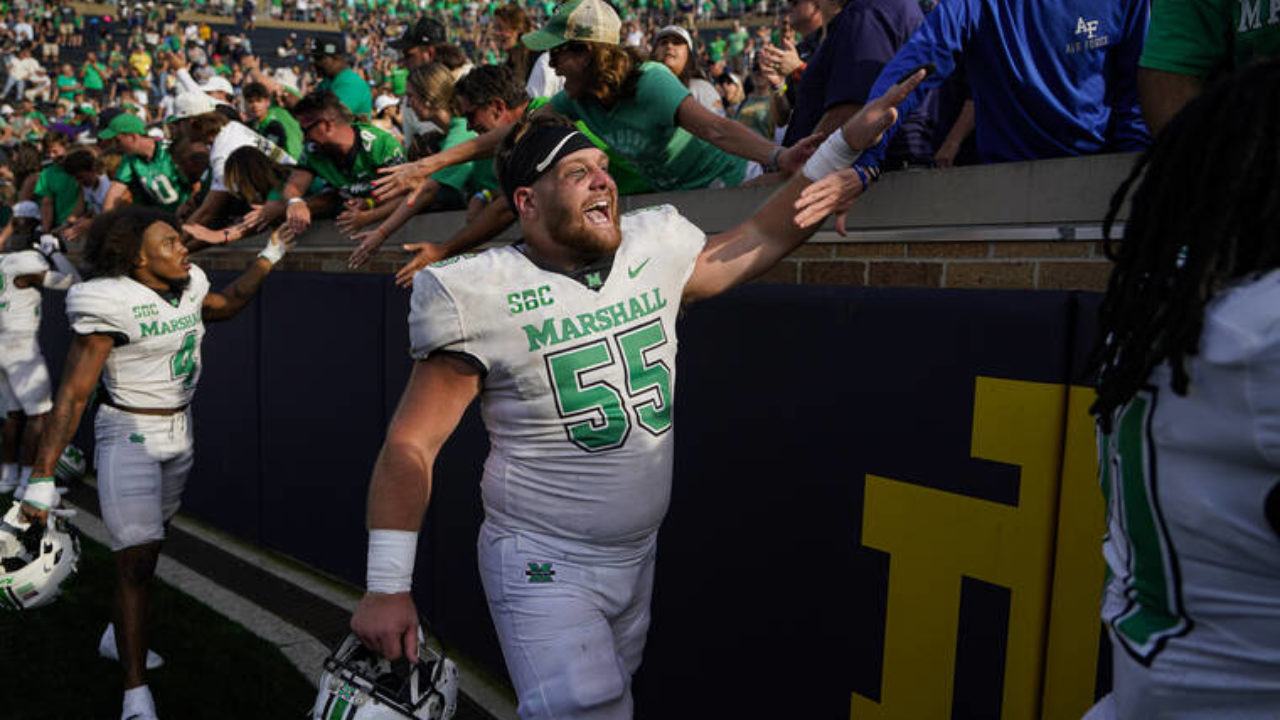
<point>1087,37</point>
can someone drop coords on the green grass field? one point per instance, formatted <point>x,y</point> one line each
<point>213,668</point>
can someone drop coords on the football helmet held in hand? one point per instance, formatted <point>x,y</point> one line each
<point>35,560</point>
<point>358,684</point>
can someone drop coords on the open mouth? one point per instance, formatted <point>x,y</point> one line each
<point>598,213</point>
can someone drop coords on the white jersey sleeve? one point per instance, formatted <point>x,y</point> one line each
<point>434,322</point>
<point>25,262</point>
<point>92,309</point>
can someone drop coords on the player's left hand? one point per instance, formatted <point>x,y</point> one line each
<point>388,625</point>
<point>34,515</point>
<point>793,158</point>
<point>834,193</point>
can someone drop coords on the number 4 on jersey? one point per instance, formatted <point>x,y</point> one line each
<point>595,409</point>
<point>183,363</point>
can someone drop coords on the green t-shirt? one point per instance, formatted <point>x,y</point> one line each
<point>68,86</point>
<point>716,49</point>
<point>756,113</point>
<point>93,74</point>
<point>156,181</point>
<point>353,176</point>
<point>280,127</point>
<point>352,90</point>
<point>399,82</point>
<point>470,177</point>
<point>738,42</point>
<point>1199,37</point>
<point>643,130</point>
<point>58,184</point>
<point>625,176</point>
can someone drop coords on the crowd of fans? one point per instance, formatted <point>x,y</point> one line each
<point>397,114</point>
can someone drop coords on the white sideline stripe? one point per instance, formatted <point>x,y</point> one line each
<point>305,652</point>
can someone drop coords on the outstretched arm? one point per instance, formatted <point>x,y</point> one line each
<point>397,180</point>
<point>85,359</point>
<point>746,251</point>
<point>489,224</point>
<point>439,391</point>
<point>229,301</point>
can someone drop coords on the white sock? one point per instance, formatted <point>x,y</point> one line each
<point>138,701</point>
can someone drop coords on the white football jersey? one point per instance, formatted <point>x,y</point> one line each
<point>156,360</point>
<point>20,307</point>
<point>1193,590</point>
<point>577,395</point>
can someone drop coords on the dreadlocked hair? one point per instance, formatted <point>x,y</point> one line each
<point>1205,212</point>
<point>115,238</point>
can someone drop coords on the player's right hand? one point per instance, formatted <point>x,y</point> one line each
<point>388,625</point>
<point>404,178</point>
<point>424,255</point>
<point>34,515</point>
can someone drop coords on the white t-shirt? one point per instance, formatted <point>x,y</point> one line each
<point>578,385</point>
<point>156,360</point>
<point>232,137</point>
<point>543,81</point>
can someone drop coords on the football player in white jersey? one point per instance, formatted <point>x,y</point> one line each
<point>1189,416</point>
<point>138,325</point>
<point>569,339</point>
<point>27,266</point>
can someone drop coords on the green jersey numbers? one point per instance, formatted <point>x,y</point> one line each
<point>161,188</point>
<point>596,410</point>
<point>1153,610</point>
<point>184,360</point>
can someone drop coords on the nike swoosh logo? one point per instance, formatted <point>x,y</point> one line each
<point>633,272</point>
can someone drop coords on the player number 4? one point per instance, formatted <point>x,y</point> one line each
<point>597,410</point>
<point>183,363</point>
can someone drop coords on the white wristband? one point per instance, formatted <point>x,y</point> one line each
<point>390,564</point>
<point>273,250</point>
<point>41,493</point>
<point>293,200</point>
<point>832,155</point>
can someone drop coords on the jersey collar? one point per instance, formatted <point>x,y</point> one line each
<point>592,276</point>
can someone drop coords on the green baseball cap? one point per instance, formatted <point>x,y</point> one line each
<point>578,20</point>
<point>123,123</point>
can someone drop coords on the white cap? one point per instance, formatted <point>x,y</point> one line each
<point>27,209</point>
<point>383,102</point>
<point>155,133</point>
<point>678,32</point>
<point>6,109</point>
<point>190,104</point>
<point>217,83</point>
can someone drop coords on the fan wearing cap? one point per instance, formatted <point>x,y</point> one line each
<point>673,47</point>
<point>569,338</point>
<point>417,47</point>
<point>148,171</point>
<point>638,108</point>
<point>196,117</point>
<point>331,62</point>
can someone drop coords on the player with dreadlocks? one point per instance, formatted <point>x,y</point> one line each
<point>1189,414</point>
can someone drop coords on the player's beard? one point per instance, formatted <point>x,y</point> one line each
<point>570,229</point>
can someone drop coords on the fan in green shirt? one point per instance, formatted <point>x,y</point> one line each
<point>94,74</point>
<point>148,170</point>
<point>341,80</point>
<point>271,121</point>
<point>345,155</point>
<point>60,187</point>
